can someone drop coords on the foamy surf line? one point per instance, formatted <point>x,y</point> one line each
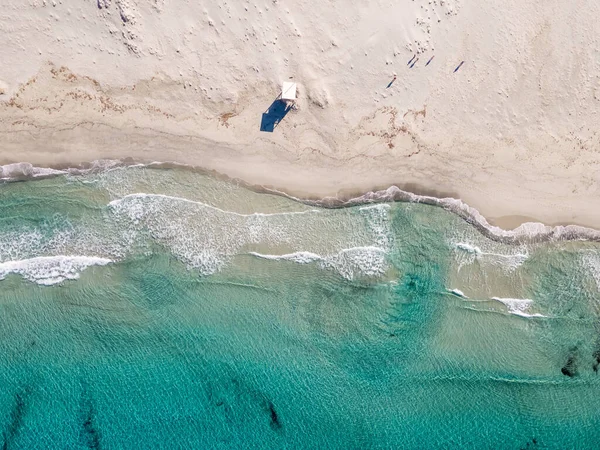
<point>529,232</point>
<point>515,306</point>
<point>25,171</point>
<point>349,262</point>
<point>49,270</point>
<point>22,171</point>
<point>457,292</point>
<point>508,261</point>
<point>473,249</point>
<point>142,195</point>
<point>518,306</point>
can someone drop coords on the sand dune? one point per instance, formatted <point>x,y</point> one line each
<point>513,132</point>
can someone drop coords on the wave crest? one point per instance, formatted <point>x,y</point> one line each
<point>349,263</point>
<point>518,306</point>
<point>529,232</point>
<point>48,270</point>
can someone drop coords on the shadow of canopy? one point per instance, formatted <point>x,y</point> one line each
<point>273,115</point>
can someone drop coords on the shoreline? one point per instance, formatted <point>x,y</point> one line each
<point>523,231</point>
<point>311,177</point>
<point>306,157</point>
<point>513,133</point>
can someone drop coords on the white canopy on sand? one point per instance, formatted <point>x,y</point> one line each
<point>288,91</point>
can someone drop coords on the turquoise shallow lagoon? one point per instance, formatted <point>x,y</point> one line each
<point>163,308</point>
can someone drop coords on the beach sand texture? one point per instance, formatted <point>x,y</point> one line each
<point>512,133</point>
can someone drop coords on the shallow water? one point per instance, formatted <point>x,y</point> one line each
<point>147,308</point>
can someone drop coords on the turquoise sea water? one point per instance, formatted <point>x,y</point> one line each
<point>162,308</point>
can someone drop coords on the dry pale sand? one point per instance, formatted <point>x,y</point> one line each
<point>514,132</point>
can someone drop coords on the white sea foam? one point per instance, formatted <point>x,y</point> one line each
<point>526,232</point>
<point>375,207</point>
<point>206,238</point>
<point>353,262</point>
<point>591,261</point>
<point>458,293</point>
<point>468,253</point>
<point>378,222</point>
<point>23,170</point>
<point>202,236</point>
<point>469,248</point>
<point>297,257</point>
<point>349,263</point>
<point>119,202</point>
<point>518,306</point>
<point>48,270</point>
<point>31,241</point>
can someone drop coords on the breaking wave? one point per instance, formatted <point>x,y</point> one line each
<point>518,306</point>
<point>526,233</point>
<point>468,253</point>
<point>529,232</point>
<point>349,263</point>
<point>49,270</point>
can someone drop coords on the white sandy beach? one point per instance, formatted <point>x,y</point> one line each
<point>514,132</point>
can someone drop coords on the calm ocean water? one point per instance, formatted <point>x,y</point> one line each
<point>147,308</point>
